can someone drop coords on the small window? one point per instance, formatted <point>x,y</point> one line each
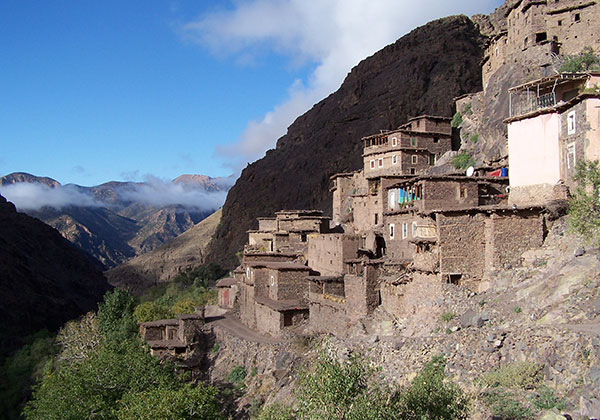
<point>380,162</point>
<point>413,141</point>
<point>571,156</point>
<point>436,140</point>
<point>372,164</point>
<point>248,272</point>
<point>414,159</point>
<point>414,229</point>
<point>412,171</point>
<point>560,23</point>
<point>392,227</point>
<point>432,159</point>
<point>404,230</point>
<point>394,141</point>
<point>541,37</point>
<point>376,218</point>
<point>462,192</point>
<point>394,160</point>
<point>576,17</point>
<point>571,122</point>
<point>525,42</point>
<point>303,237</point>
<point>272,280</point>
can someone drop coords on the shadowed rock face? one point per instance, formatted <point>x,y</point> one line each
<point>44,280</point>
<point>420,73</point>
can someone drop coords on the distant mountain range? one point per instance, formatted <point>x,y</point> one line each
<point>117,221</point>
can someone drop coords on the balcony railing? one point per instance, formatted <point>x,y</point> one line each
<point>524,104</point>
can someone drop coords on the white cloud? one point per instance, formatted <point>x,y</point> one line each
<point>333,35</point>
<point>32,196</point>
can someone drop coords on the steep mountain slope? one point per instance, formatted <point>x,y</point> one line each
<point>164,263</point>
<point>44,280</point>
<point>419,74</point>
<point>119,226</point>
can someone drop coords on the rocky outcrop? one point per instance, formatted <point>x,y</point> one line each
<point>164,263</point>
<point>420,73</point>
<point>44,280</point>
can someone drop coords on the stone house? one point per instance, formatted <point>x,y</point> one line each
<point>539,29</point>
<point>556,120</point>
<point>227,289</point>
<point>173,337</point>
<point>273,295</point>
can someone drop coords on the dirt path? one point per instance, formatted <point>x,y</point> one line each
<point>235,327</point>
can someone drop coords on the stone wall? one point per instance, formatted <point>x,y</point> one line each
<point>449,195</point>
<point>247,305</point>
<point>268,320</point>
<point>326,253</point>
<point>405,227</point>
<point>287,284</point>
<point>513,234</point>
<point>462,244</point>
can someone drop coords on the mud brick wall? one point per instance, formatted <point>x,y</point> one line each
<point>288,284</point>
<point>514,234</point>
<point>326,253</point>
<point>247,306</point>
<point>268,320</point>
<point>446,195</point>
<point>462,244</point>
<point>326,316</point>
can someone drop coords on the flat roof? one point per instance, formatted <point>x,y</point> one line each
<point>165,344</point>
<point>327,279</point>
<point>278,265</point>
<point>160,323</point>
<point>282,305</point>
<point>226,282</point>
<point>431,117</point>
<point>556,78</point>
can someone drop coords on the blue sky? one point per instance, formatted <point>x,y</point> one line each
<point>93,91</point>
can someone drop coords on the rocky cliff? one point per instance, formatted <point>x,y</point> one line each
<point>44,280</point>
<point>420,73</point>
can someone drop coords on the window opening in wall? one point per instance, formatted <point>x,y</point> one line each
<point>404,230</point>
<point>414,229</point>
<point>525,42</point>
<point>571,156</point>
<point>248,272</point>
<point>376,218</point>
<point>462,192</point>
<point>576,17</point>
<point>394,160</point>
<point>380,162</point>
<point>436,139</point>
<point>303,237</point>
<point>272,281</point>
<point>571,122</point>
<point>432,159</point>
<point>414,159</point>
<point>288,319</point>
<point>372,164</point>
<point>541,37</point>
<point>413,141</point>
<point>560,23</point>
<point>392,227</point>
<point>453,278</point>
<point>394,141</point>
<point>412,171</point>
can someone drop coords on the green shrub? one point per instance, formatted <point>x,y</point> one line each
<point>215,349</point>
<point>237,375</point>
<point>505,406</point>
<point>431,397</point>
<point>544,399</point>
<point>474,138</point>
<point>463,160</point>
<point>517,309</point>
<point>151,311</point>
<point>586,60</point>
<point>520,375</point>
<point>448,316</point>
<point>276,411</point>
<point>584,211</point>
<point>456,120</point>
<point>184,306</point>
<point>468,109</point>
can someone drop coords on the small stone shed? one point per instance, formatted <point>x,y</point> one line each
<point>227,289</point>
<point>173,337</point>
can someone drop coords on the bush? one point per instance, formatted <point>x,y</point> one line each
<point>544,399</point>
<point>448,316</point>
<point>184,306</point>
<point>430,397</point>
<point>151,311</point>
<point>468,109</point>
<point>474,138</point>
<point>504,406</point>
<point>584,207</point>
<point>237,375</point>
<point>520,375</point>
<point>276,412</point>
<point>189,402</point>
<point>586,60</point>
<point>463,160</point>
<point>456,120</point>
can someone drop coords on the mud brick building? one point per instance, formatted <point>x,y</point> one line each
<point>541,29</point>
<point>555,120</point>
<point>173,337</point>
<point>227,289</point>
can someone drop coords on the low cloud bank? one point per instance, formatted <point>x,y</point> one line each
<point>153,192</point>
<point>33,196</point>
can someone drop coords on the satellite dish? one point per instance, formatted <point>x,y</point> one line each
<point>470,171</point>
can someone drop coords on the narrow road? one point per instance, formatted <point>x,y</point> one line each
<point>236,328</point>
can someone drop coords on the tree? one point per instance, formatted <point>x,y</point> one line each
<point>584,205</point>
<point>115,316</point>
<point>586,60</point>
<point>186,403</point>
<point>78,338</point>
<point>151,311</point>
